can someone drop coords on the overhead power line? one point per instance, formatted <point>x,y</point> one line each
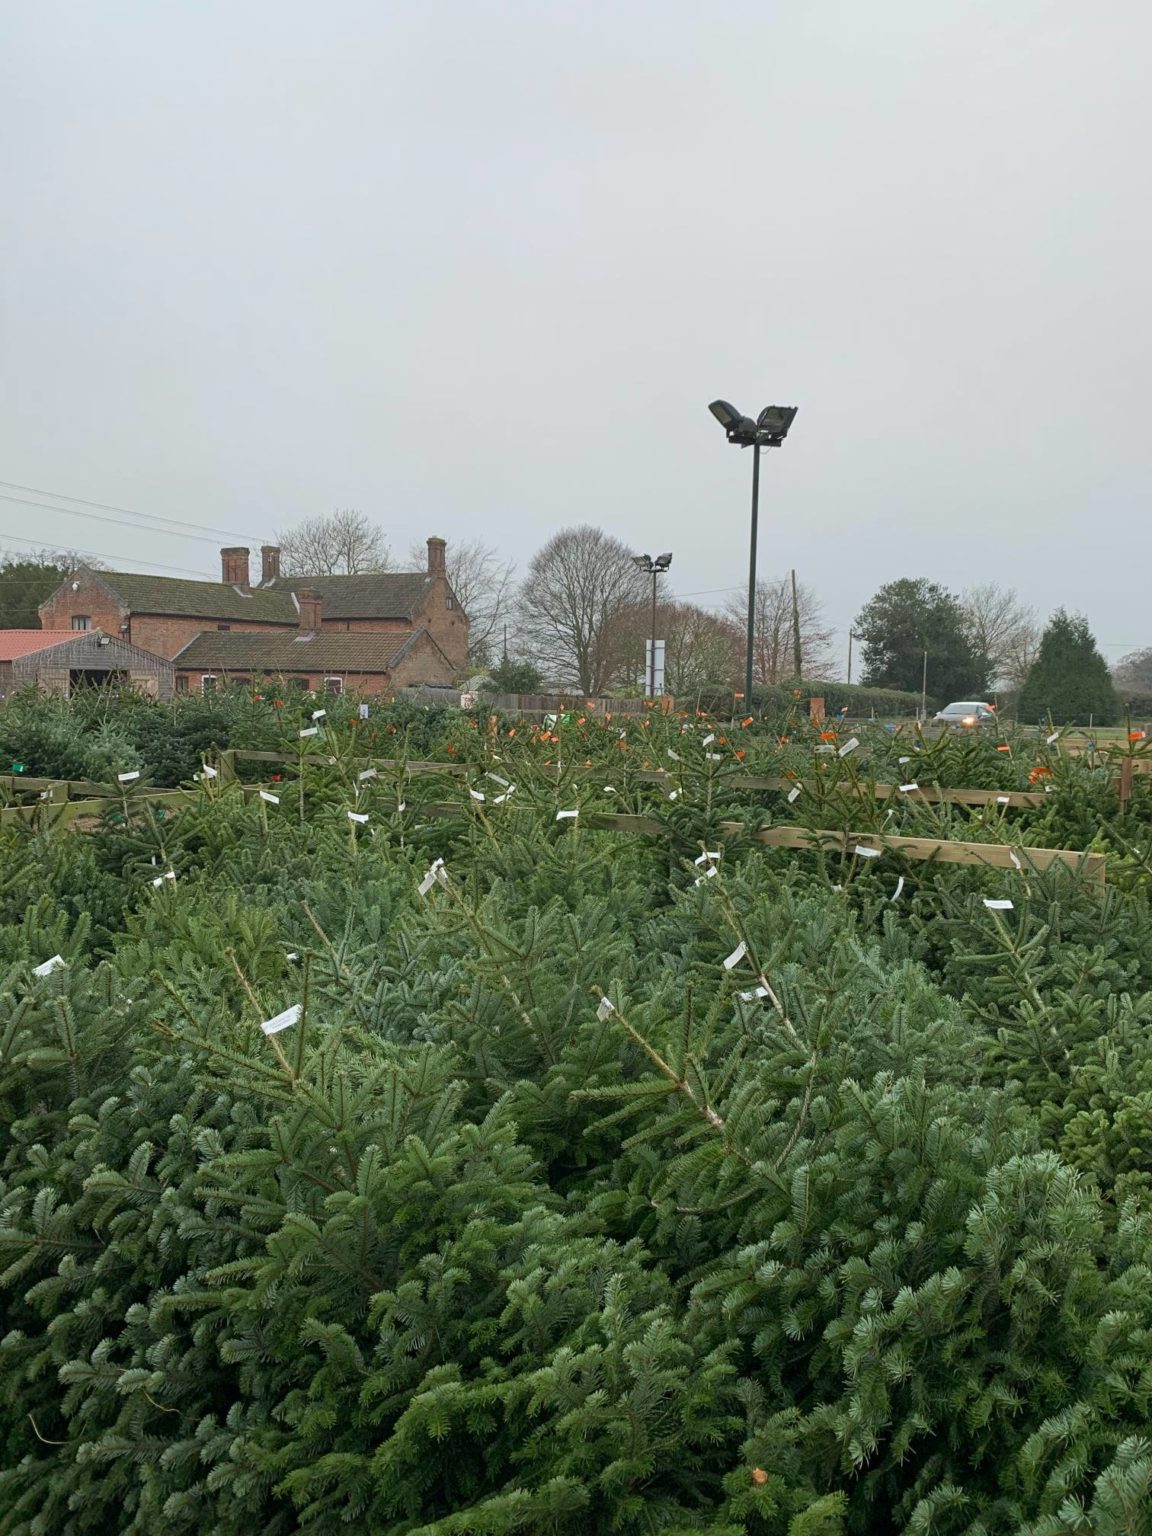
<point>59,549</point>
<point>170,533</point>
<point>105,506</point>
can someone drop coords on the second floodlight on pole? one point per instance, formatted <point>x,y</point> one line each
<point>653,568</point>
<point>768,431</point>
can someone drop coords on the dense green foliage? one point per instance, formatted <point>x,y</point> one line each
<point>468,1249</point>
<point>1069,682</point>
<point>909,617</point>
<point>25,582</point>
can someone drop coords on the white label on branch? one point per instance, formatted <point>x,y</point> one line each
<point>750,997</point>
<point>284,1020</point>
<point>209,773</point>
<point>56,963</point>
<point>825,749</point>
<point>675,756</point>
<point>127,778</point>
<point>1015,859</point>
<point>849,746</point>
<point>866,853</point>
<point>435,872</point>
<point>368,773</point>
<point>476,794</point>
<point>906,789</point>
<point>1003,800</point>
<point>606,1007</point>
<point>899,888</point>
<point>403,806</point>
<point>1053,739</point>
<point>496,779</point>
<point>997,906</point>
<point>903,760</point>
<point>707,875</point>
<point>567,815</point>
<point>266,794</point>
<point>160,879</point>
<point>319,714</point>
<point>709,739</point>
<point>736,956</point>
<point>312,730</point>
<point>291,955</point>
<point>673,794</point>
<point>708,854</point>
<point>360,816</point>
<point>793,794</point>
<point>609,789</point>
<point>714,757</point>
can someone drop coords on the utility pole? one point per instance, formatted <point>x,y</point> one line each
<point>851,637</point>
<point>924,688</point>
<point>797,648</point>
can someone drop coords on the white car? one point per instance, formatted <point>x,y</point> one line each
<point>967,713</point>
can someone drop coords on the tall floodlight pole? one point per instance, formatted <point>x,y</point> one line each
<point>653,568</point>
<point>768,431</point>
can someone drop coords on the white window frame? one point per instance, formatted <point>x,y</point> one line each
<point>81,622</point>
<point>208,677</point>
<point>339,688</point>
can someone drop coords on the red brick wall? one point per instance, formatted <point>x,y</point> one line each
<point>447,626</point>
<point>354,682</point>
<point>91,599</point>
<point>167,636</point>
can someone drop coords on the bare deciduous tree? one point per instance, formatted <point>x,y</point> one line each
<point>482,582</point>
<point>774,642</point>
<point>1004,629</point>
<point>577,608</point>
<point>1133,673</point>
<point>699,649</point>
<point>344,543</point>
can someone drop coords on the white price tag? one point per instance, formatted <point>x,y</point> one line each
<point>160,879</point>
<point>56,963</point>
<point>849,746</point>
<point>127,778</point>
<point>866,853</point>
<point>319,714</point>
<point>709,854</point>
<point>1003,800</point>
<point>899,888</point>
<point>793,794</point>
<point>750,997</point>
<point>675,756</point>
<point>709,739</point>
<point>714,757</point>
<point>906,789</point>
<point>284,1020</point>
<point>567,815</point>
<point>997,906</point>
<point>209,773</point>
<point>736,956</point>
<point>476,794</point>
<point>359,816</point>
<point>606,1007</point>
<point>266,794</point>
<point>312,730</point>
<point>368,773</point>
<point>1051,741</point>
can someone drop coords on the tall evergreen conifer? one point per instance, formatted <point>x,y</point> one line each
<point>1069,683</point>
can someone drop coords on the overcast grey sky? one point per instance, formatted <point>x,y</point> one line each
<point>477,268</point>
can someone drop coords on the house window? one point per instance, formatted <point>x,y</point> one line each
<point>208,683</point>
<point>334,685</point>
<point>300,682</point>
<point>449,601</point>
<point>224,627</point>
<point>181,682</point>
<point>81,621</point>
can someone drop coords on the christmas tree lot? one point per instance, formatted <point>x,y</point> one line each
<point>519,1144</point>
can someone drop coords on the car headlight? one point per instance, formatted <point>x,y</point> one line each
<point>969,720</point>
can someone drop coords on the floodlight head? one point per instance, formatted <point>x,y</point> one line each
<point>727,415</point>
<point>774,421</point>
<point>642,561</point>
<point>663,561</point>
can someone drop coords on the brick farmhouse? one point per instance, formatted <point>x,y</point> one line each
<point>368,634</point>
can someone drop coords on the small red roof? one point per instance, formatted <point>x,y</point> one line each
<point>22,642</point>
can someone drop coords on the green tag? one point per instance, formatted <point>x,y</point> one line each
<point>17,767</point>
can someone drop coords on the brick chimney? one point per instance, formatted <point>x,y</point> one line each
<point>234,567</point>
<point>269,563</point>
<point>436,549</point>
<point>309,602</point>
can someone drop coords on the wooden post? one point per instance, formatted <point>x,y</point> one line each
<point>1125,783</point>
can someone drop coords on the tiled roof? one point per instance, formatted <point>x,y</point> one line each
<point>22,642</point>
<point>336,653</point>
<point>384,595</point>
<point>198,599</point>
<point>387,595</point>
